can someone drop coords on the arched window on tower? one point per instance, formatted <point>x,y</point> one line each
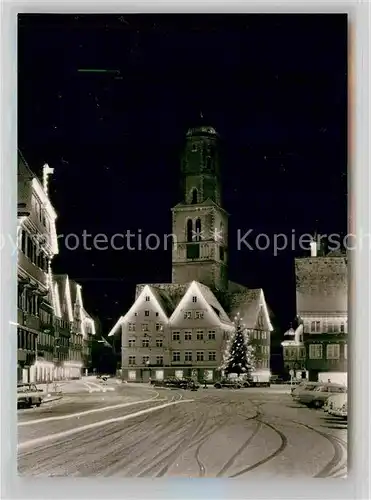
<point>198,230</point>
<point>194,196</point>
<point>189,230</point>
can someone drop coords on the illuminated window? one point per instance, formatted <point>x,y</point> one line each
<point>145,327</point>
<point>131,327</point>
<point>187,314</point>
<point>145,360</point>
<point>159,327</point>
<point>333,351</point>
<point>315,351</point>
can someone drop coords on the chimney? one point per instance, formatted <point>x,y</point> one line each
<point>313,248</point>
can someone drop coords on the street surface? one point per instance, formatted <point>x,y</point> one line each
<point>133,430</point>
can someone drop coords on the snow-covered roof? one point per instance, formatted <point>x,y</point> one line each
<point>163,299</point>
<point>249,304</point>
<point>213,302</point>
<point>321,285</point>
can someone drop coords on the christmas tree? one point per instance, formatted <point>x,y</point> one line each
<point>239,354</point>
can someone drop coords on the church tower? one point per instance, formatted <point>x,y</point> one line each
<point>200,225</point>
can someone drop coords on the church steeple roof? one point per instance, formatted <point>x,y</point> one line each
<point>200,127</point>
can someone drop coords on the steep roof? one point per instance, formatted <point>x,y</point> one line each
<point>163,299</point>
<point>170,294</point>
<point>173,291</point>
<point>321,285</point>
<point>213,302</point>
<point>246,303</point>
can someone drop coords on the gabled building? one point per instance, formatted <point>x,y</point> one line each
<point>74,329</point>
<point>37,245</point>
<point>294,353</point>
<point>181,328</point>
<point>322,306</point>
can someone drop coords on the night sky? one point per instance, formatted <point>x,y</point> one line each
<point>274,87</point>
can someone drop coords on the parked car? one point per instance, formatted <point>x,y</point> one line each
<point>303,386</point>
<point>341,411</point>
<point>28,395</point>
<point>320,394</point>
<point>176,383</point>
<point>337,405</point>
<point>275,379</point>
<point>230,383</point>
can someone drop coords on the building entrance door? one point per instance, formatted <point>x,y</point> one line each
<point>146,375</point>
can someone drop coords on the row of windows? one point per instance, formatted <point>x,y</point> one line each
<point>28,302</point>
<point>199,335</point>
<point>325,326</point>
<point>44,339</point>
<point>148,298</point>
<point>31,245</point>
<point>294,352</point>
<point>145,328</point>
<point>332,351</point>
<point>145,360</point>
<point>193,314</point>
<point>76,339</point>
<point>26,340</point>
<point>257,335</point>
<point>176,357</point>
<point>145,342</point>
<point>200,356</point>
<point>146,313</point>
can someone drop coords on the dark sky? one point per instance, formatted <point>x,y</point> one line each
<point>275,88</point>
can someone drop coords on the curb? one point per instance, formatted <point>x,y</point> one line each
<point>53,398</point>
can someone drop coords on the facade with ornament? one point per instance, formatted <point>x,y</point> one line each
<point>181,328</point>
<point>44,349</point>
<point>322,308</point>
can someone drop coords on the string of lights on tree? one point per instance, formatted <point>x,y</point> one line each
<point>239,355</point>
